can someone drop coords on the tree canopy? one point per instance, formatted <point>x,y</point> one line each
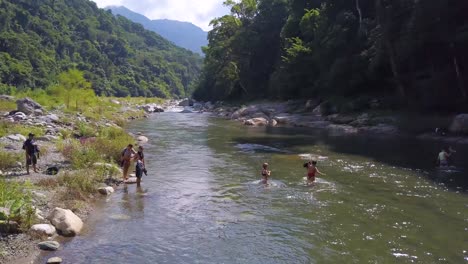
<point>410,53</point>
<point>43,38</point>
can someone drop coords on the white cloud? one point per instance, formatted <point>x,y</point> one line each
<point>199,12</point>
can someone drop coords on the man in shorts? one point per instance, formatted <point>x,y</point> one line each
<point>32,152</point>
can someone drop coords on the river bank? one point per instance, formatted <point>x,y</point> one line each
<point>79,151</point>
<point>450,129</point>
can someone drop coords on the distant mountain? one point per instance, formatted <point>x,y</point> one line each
<point>40,39</point>
<point>183,34</point>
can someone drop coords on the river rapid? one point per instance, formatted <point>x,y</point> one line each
<point>381,201</point>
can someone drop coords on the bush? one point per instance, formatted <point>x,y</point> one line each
<point>8,128</point>
<point>17,199</point>
<point>8,159</point>
<point>83,181</point>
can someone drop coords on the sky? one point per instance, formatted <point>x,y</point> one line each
<point>199,12</point>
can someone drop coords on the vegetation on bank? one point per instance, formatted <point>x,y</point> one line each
<point>405,54</point>
<point>41,39</point>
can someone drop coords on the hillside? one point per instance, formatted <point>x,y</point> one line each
<point>183,34</point>
<point>354,54</point>
<point>40,39</point>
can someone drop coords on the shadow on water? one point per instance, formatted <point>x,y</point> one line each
<point>399,151</point>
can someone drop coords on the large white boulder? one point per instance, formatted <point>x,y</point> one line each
<point>17,137</point>
<point>142,139</point>
<point>65,221</point>
<point>459,124</point>
<point>256,122</point>
<point>106,190</point>
<point>43,230</point>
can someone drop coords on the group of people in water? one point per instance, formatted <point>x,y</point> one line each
<point>443,160</point>
<point>128,155</point>
<point>311,167</point>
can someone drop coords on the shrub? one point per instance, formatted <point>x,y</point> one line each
<point>17,199</point>
<point>8,159</point>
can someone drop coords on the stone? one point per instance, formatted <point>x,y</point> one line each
<point>54,260</point>
<point>4,213</point>
<point>459,124</point>
<point>256,122</point>
<point>186,111</point>
<point>47,138</point>
<point>340,119</point>
<point>7,97</point>
<point>115,102</point>
<point>186,102</point>
<point>273,123</point>
<point>17,137</point>
<point>49,245</point>
<point>38,112</point>
<point>106,190</point>
<point>27,106</point>
<point>142,139</point>
<point>9,227</point>
<point>43,230</point>
<point>65,221</point>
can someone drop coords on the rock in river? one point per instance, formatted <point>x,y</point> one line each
<point>260,121</point>
<point>65,221</point>
<point>142,139</point>
<point>460,124</point>
<point>49,245</point>
<point>54,260</point>
<point>106,190</point>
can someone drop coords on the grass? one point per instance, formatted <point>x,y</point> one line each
<point>16,198</point>
<point>7,106</point>
<point>8,128</point>
<point>8,159</point>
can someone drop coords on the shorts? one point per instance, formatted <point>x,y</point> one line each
<point>138,173</point>
<point>311,177</point>
<point>31,160</point>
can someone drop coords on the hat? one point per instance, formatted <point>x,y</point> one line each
<point>31,135</point>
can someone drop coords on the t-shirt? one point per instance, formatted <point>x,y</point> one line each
<point>30,147</point>
<point>442,156</point>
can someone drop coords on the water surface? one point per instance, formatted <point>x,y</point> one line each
<point>380,202</point>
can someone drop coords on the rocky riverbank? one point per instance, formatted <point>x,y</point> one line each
<point>56,203</point>
<point>314,115</point>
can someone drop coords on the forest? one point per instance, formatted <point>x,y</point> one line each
<point>396,53</point>
<point>41,39</point>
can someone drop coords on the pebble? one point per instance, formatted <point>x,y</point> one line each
<point>49,245</point>
<point>54,260</point>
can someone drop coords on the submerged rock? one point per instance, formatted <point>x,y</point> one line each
<point>142,139</point>
<point>65,221</point>
<point>49,245</point>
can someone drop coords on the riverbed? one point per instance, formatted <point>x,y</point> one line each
<point>381,200</point>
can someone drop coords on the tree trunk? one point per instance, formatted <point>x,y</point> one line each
<point>383,22</point>
<point>358,8</point>
<point>461,83</point>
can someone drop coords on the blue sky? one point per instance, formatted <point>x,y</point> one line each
<point>199,12</point>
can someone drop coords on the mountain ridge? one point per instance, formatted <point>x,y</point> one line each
<point>183,34</point>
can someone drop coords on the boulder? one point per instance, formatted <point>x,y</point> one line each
<point>4,213</point>
<point>186,102</point>
<point>9,227</point>
<point>49,245</point>
<point>115,102</point>
<point>340,119</point>
<point>7,97</point>
<point>27,106</point>
<point>106,190</point>
<point>459,124</point>
<point>65,221</point>
<point>142,139</point>
<point>17,137</point>
<point>47,138</point>
<point>38,112</point>
<point>273,123</point>
<point>54,260</point>
<point>186,111</point>
<point>42,230</point>
<point>256,122</point>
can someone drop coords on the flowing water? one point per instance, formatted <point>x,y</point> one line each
<point>381,200</point>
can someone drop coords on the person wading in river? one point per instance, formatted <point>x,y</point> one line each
<point>126,159</point>
<point>443,157</point>
<point>265,173</point>
<point>32,152</point>
<point>312,170</point>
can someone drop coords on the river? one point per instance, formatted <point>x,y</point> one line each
<point>381,200</point>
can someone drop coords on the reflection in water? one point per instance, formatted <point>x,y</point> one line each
<point>381,201</point>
